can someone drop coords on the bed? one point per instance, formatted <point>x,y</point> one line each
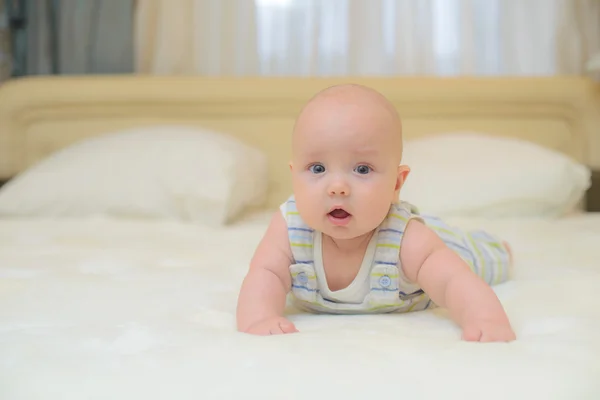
<point>121,305</point>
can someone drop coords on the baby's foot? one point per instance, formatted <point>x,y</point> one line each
<point>509,250</point>
<point>511,268</point>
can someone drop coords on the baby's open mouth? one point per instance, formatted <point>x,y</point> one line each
<point>339,213</point>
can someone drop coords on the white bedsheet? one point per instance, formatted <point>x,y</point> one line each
<point>104,309</point>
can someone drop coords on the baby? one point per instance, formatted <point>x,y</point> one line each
<point>345,244</point>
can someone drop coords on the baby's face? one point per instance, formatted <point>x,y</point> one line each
<point>345,165</point>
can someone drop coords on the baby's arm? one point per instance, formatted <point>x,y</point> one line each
<point>451,284</point>
<point>263,294</point>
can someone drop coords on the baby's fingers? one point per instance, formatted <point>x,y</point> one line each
<point>282,328</point>
<point>288,327</point>
<point>472,334</point>
<point>276,330</point>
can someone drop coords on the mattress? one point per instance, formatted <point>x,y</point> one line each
<point>102,308</point>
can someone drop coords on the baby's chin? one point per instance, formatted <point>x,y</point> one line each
<point>345,233</point>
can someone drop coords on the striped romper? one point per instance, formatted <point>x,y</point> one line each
<point>380,285</point>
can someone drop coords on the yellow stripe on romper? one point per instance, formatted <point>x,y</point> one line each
<point>376,308</point>
<point>399,217</point>
<point>444,230</point>
<point>379,274</point>
<point>392,246</point>
<point>295,274</point>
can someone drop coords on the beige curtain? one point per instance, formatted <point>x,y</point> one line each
<point>359,37</point>
<point>579,35</point>
<point>196,37</point>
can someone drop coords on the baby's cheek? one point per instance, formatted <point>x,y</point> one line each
<point>302,190</point>
<point>379,198</point>
<point>309,210</point>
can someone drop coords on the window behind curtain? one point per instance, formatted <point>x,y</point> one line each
<point>482,37</point>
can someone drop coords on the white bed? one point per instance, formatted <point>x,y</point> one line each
<point>101,307</point>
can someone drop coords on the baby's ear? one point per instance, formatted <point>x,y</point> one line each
<point>403,171</point>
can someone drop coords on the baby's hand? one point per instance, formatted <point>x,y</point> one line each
<point>488,330</point>
<point>272,326</point>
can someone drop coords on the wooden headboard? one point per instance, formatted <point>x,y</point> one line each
<point>40,115</point>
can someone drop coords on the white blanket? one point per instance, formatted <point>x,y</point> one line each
<point>102,309</point>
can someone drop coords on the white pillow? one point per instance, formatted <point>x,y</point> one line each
<point>479,175</point>
<point>172,172</point>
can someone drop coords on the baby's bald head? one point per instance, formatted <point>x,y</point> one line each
<point>352,93</point>
<point>346,106</point>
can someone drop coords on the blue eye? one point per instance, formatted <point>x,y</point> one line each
<point>363,169</point>
<point>316,169</point>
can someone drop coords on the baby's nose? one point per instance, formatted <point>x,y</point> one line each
<point>339,188</point>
